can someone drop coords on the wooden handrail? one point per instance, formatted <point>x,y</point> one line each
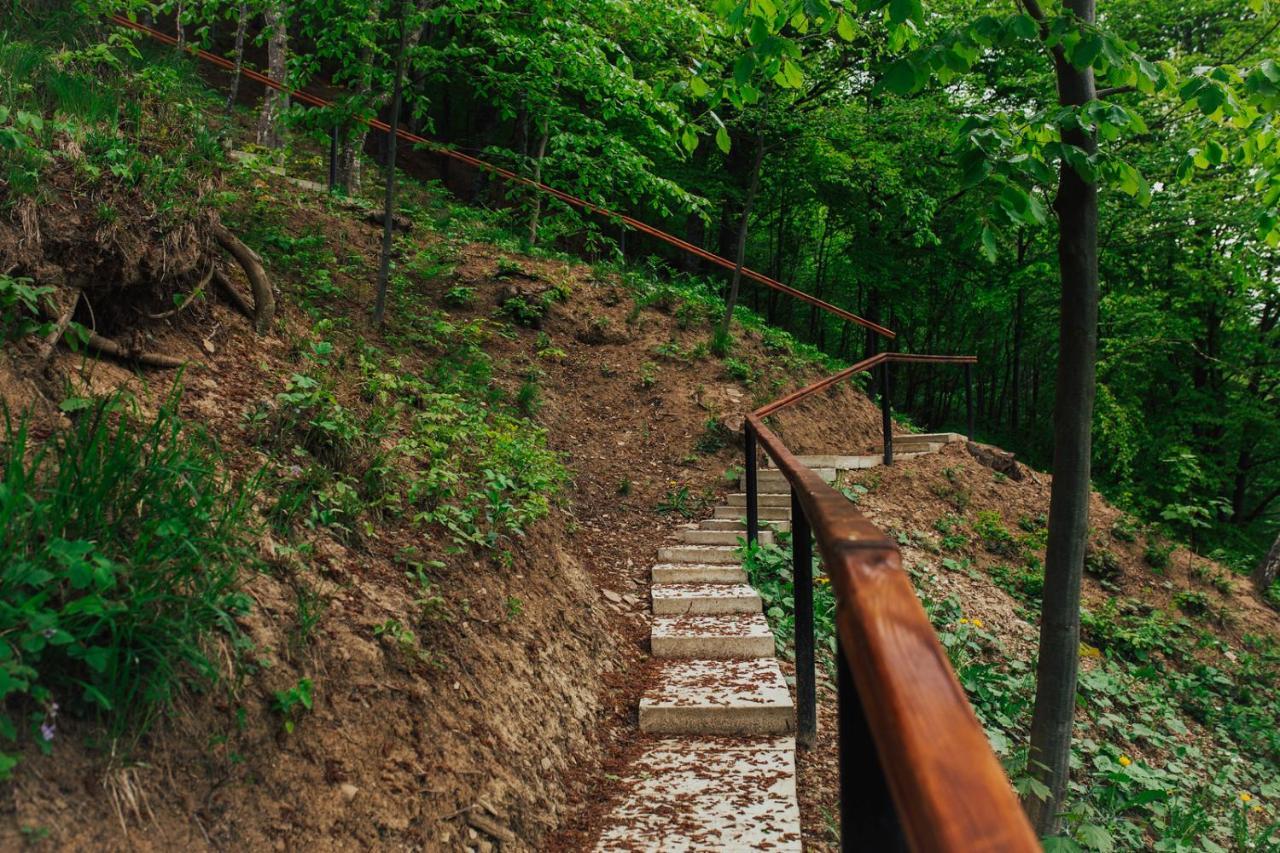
<point>858,367</point>
<point>948,789</point>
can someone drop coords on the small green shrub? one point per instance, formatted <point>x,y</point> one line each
<point>1157,555</point>
<point>459,296</point>
<point>715,436</point>
<point>19,307</point>
<point>290,704</point>
<point>739,370</point>
<point>1192,602</point>
<point>681,502</point>
<point>996,538</point>
<point>528,398</point>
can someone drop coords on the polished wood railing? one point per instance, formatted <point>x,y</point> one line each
<point>916,769</point>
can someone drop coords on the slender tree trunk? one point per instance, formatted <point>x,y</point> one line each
<point>537,178</point>
<point>741,250</point>
<point>1269,569</point>
<point>182,32</point>
<point>389,202</point>
<point>274,102</point>
<point>241,24</point>
<point>1077,208</point>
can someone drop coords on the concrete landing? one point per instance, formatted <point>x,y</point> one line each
<point>709,794</point>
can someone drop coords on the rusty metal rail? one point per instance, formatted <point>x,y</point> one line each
<point>512,177</point>
<point>916,769</point>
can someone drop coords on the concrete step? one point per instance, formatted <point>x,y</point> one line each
<point>699,554</point>
<point>739,635</point>
<point>722,537</point>
<point>707,794</point>
<point>768,513</point>
<point>703,598</point>
<point>697,573</point>
<point>762,500</point>
<point>829,462</point>
<point>740,525</point>
<point>773,476</point>
<point>718,697</point>
<point>930,438</point>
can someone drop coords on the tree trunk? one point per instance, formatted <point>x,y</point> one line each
<point>274,102</point>
<point>537,179</point>
<point>241,24</point>
<point>389,202</point>
<point>1269,569</point>
<point>741,249</point>
<point>1077,208</point>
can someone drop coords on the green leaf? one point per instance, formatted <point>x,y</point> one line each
<point>722,140</point>
<point>743,67</point>
<point>901,78</point>
<point>901,11</point>
<point>75,404</point>
<point>1087,50</point>
<point>989,246</point>
<point>689,138</point>
<point>699,87</point>
<point>844,26</point>
<point>1096,838</point>
<point>1024,27</point>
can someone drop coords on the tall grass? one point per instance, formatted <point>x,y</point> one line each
<point>121,540</point>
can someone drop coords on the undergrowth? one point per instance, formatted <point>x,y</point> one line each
<point>121,538</point>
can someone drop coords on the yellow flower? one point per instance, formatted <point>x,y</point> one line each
<point>964,621</point>
<point>1125,761</point>
<point>821,580</point>
<point>977,623</point>
<point>1257,809</point>
<point>1245,796</point>
<point>1088,651</point>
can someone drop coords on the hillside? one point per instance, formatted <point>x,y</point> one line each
<point>347,587</point>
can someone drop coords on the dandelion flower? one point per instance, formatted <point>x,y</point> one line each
<point>1245,796</point>
<point>1257,809</point>
<point>964,621</point>
<point>1125,761</point>
<point>977,623</point>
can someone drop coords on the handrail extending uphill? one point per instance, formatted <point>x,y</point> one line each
<point>916,769</point>
<point>512,177</point>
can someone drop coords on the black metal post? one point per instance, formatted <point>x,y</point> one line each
<point>968,399</point>
<point>868,820</point>
<point>753,510</point>
<point>886,420</point>
<point>802,575</point>
<point>333,158</point>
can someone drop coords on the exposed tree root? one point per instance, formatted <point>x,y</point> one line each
<point>106,346</point>
<point>264,301</point>
<point>244,306</point>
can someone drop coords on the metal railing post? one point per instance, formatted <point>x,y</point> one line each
<point>968,399</point>
<point>802,591</point>
<point>885,419</point>
<point>753,511</point>
<point>868,819</point>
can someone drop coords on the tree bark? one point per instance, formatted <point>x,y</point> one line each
<point>389,202</point>
<point>241,25</point>
<point>537,179</point>
<point>1077,208</point>
<point>741,249</point>
<point>1269,569</point>
<point>274,102</point>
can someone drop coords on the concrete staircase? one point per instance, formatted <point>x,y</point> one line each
<point>720,771</point>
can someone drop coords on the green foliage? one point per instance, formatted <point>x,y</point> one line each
<point>715,436</point>
<point>996,538</point>
<point>20,303</point>
<point>680,501</point>
<point>122,543</point>
<point>292,703</point>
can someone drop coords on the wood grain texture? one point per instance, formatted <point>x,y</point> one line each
<point>949,789</point>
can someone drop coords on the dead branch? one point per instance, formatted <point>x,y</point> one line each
<point>191,297</point>
<point>264,301</point>
<point>59,329</point>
